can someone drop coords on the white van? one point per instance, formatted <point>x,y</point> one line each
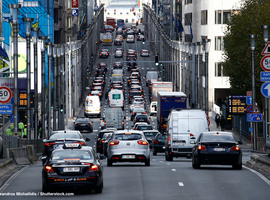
<point>116,98</point>
<point>92,106</point>
<point>153,108</point>
<point>183,128</point>
<point>114,118</point>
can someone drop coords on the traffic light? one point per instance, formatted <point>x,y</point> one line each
<point>143,41</point>
<point>156,60</point>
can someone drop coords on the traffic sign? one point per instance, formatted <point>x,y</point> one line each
<point>251,129</point>
<point>6,109</point>
<point>5,94</point>
<point>265,76</point>
<point>249,100</point>
<point>256,110</point>
<point>254,117</point>
<point>266,50</point>
<point>249,109</point>
<point>249,93</point>
<point>265,89</point>
<point>265,63</point>
<point>75,12</point>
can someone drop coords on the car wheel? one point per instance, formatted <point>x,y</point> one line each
<point>147,162</point>
<point>195,164</point>
<point>154,152</point>
<point>98,189</point>
<point>237,166</point>
<point>109,162</point>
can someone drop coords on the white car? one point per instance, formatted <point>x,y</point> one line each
<point>153,107</point>
<point>118,54</point>
<point>136,104</point>
<point>130,38</point>
<point>144,53</point>
<point>128,146</point>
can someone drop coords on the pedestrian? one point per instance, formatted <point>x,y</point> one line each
<point>20,127</point>
<point>217,119</point>
<point>9,130</point>
<point>40,128</point>
<point>25,132</point>
<point>222,123</point>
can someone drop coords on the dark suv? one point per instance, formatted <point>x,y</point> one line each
<point>141,118</point>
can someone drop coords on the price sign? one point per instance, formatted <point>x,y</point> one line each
<point>5,94</point>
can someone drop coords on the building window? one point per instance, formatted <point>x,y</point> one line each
<point>188,1</point>
<point>133,20</point>
<point>126,20</point>
<point>222,16</point>
<point>127,13</point>
<point>218,69</point>
<point>108,13</point>
<point>204,17</point>
<point>69,22</point>
<point>219,43</point>
<point>188,19</point>
<point>120,13</point>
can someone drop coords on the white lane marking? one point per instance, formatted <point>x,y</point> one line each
<point>173,170</point>
<point>161,161</point>
<point>180,184</point>
<point>168,163</point>
<point>12,178</point>
<point>258,174</point>
<point>154,159</point>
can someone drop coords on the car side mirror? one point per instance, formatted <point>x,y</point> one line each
<point>44,158</point>
<point>44,140</point>
<point>87,139</point>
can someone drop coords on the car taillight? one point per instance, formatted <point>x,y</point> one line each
<point>191,135</point>
<point>201,147</point>
<point>93,168</point>
<point>48,144</point>
<point>49,169</point>
<point>114,142</point>
<point>142,142</point>
<point>156,142</point>
<point>102,141</point>
<point>235,148</point>
<point>81,143</point>
<point>76,124</point>
<point>132,113</point>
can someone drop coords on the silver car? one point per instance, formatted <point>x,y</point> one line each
<point>128,146</point>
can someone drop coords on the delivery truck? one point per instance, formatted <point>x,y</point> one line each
<point>107,39</point>
<point>160,86</point>
<point>167,101</point>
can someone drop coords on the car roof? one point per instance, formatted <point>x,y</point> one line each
<point>128,131</point>
<point>151,131</point>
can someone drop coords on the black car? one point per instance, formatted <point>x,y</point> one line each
<point>104,53</point>
<point>117,42</point>
<point>137,110</point>
<point>102,141</point>
<point>217,148</point>
<point>103,65</point>
<point>117,65</point>
<point>131,65</point>
<point>83,124</point>
<point>150,135</point>
<point>159,144</point>
<point>100,72</point>
<point>59,138</point>
<point>73,166</point>
<point>131,58</point>
<point>105,144</point>
<point>99,137</point>
<point>141,118</point>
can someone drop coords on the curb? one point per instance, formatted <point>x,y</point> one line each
<point>6,162</point>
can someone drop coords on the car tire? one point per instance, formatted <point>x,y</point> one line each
<point>195,164</point>
<point>109,162</point>
<point>99,188</point>
<point>147,162</point>
<point>154,152</point>
<point>237,166</point>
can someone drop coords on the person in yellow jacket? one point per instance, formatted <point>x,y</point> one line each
<point>25,133</point>
<point>9,131</point>
<point>20,127</point>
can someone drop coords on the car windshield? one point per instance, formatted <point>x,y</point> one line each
<point>141,117</point>
<point>74,154</point>
<point>217,138</point>
<point>128,136</point>
<point>65,135</point>
<point>161,137</point>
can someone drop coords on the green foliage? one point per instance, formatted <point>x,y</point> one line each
<point>237,54</point>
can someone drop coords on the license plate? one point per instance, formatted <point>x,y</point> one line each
<point>179,143</point>
<point>219,149</point>
<point>71,169</point>
<point>128,156</point>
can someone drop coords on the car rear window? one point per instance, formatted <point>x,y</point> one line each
<point>86,120</point>
<point>72,155</point>
<point>144,128</point>
<point>65,135</point>
<point>153,134</point>
<point>217,138</point>
<point>128,136</point>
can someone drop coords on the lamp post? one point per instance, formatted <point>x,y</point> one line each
<point>59,66</point>
<point>206,48</point>
<point>200,73</point>
<point>14,8</point>
<point>252,38</point>
<point>28,57</point>
<point>266,100</point>
<point>43,96</point>
<point>54,84</point>
<point>196,74</point>
<point>35,37</point>
<point>49,86</point>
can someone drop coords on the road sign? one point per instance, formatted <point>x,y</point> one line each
<point>266,50</point>
<point>5,94</point>
<point>75,12</point>
<point>256,110</point>
<point>249,100</point>
<point>254,117</point>
<point>249,109</point>
<point>237,104</point>
<point>265,63</point>
<point>249,93</point>
<point>6,109</point>
<point>250,129</point>
<point>265,89</point>
<point>265,76</point>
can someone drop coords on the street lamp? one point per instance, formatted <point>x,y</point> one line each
<point>200,52</point>
<point>49,85</point>
<point>206,48</point>
<point>266,101</point>
<point>28,57</point>
<point>14,8</point>
<point>35,37</point>
<point>252,38</point>
<point>54,84</point>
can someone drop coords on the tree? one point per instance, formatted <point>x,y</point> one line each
<point>237,46</point>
